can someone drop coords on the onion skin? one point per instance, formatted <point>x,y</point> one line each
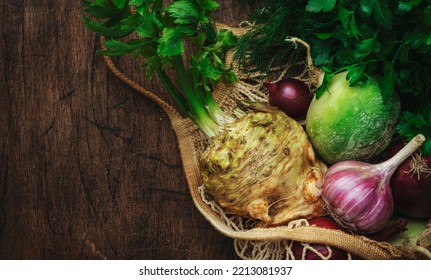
<point>290,95</point>
<point>411,184</point>
<point>398,227</point>
<point>326,251</point>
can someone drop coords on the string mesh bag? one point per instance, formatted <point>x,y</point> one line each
<point>252,238</point>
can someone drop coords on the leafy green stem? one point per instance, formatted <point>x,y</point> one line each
<point>197,108</point>
<point>355,74</point>
<point>160,33</point>
<point>173,91</point>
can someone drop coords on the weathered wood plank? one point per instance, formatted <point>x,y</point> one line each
<point>89,169</point>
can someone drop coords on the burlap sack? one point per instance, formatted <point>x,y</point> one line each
<point>253,242</point>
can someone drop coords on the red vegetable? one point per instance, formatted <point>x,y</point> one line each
<point>411,184</point>
<point>319,251</point>
<point>290,95</point>
<point>399,226</point>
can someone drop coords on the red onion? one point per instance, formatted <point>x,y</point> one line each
<point>319,251</point>
<point>399,226</point>
<point>411,184</point>
<point>314,251</point>
<point>290,95</point>
<point>358,194</point>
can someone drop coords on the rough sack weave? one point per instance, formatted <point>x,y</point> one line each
<point>251,240</point>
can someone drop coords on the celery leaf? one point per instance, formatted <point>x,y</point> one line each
<point>171,42</point>
<point>184,12</point>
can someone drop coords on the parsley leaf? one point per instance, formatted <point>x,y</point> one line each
<point>348,21</point>
<point>387,82</point>
<point>382,14</point>
<point>320,5</point>
<point>413,123</point>
<point>366,46</point>
<point>408,5</point>
<point>367,6</point>
<point>356,73</point>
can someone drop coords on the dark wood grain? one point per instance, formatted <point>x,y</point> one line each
<point>89,169</point>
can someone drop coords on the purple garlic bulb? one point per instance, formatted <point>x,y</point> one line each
<point>358,194</point>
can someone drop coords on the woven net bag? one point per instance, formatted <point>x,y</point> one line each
<point>250,240</point>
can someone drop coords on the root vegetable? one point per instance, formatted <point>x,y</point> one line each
<point>263,166</point>
<point>351,122</point>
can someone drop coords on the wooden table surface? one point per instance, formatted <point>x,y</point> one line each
<point>89,169</point>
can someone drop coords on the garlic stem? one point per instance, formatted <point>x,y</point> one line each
<point>391,164</point>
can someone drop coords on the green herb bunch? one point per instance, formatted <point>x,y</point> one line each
<point>389,40</point>
<point>413,123</point>
<point>158,35</point>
